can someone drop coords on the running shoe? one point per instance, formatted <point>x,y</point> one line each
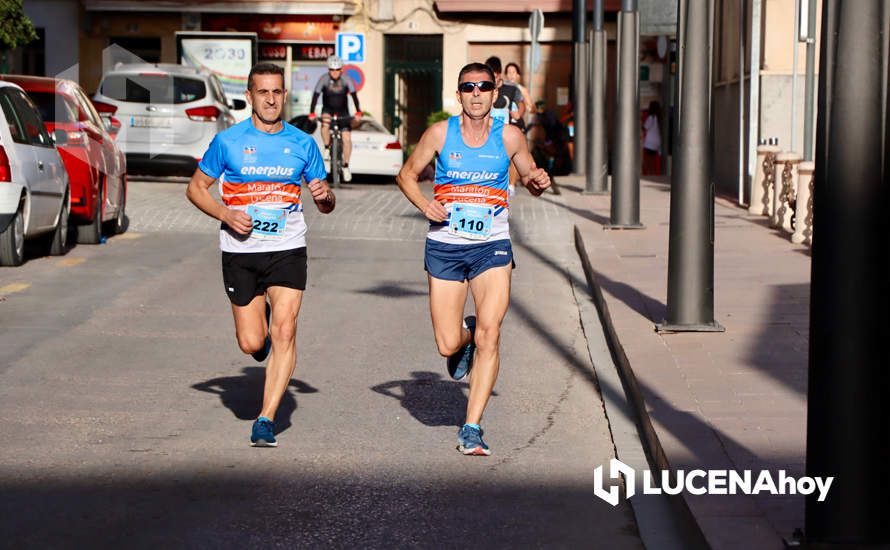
<point>469,441</point>
<point>460,363</point>
<point>260,355</point>
<point>263,433</point>
<point>347,175</point>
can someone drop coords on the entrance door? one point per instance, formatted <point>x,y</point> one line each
<point>413,87</point>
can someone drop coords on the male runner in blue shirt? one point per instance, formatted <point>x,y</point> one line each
<point>261,163</point>
<point>468,243</point>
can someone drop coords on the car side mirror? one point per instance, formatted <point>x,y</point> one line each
<point>60,137</point>
<point>239,104</point>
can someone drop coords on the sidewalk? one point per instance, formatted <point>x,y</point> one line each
<point>732,400</point>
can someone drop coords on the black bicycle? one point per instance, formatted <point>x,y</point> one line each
<point>337,149</point>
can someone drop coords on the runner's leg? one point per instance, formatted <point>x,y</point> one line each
<point>491,294</point>
<point>250,324</point>
<point>283,357</point>
<point>447,300</point>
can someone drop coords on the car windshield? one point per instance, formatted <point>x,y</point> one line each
<point>54,107</point>
<point>153,88</point>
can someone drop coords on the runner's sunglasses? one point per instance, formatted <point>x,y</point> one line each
<point>484,86</point>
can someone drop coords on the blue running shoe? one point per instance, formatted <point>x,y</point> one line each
<point>263,433</point>
<point>469,441</point>
<point>460,363</point>
<point>260,355</point>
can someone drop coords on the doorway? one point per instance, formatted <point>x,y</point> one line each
<point>413,83</point>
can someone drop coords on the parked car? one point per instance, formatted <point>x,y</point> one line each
<point>375,151</point>
<point>95,164</point>
<point>34,197</point>
<point>167,114</point>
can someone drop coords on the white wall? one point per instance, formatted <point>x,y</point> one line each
<point>61,19</point>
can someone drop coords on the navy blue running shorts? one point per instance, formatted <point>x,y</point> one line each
<point>461,262</point>
<point>248,274</point>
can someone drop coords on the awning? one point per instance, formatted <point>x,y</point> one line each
<point>517,6</point>
<point>314,7</point>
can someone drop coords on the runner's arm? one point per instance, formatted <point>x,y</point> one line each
<point>324,198</point>
<point>535,179</point>
<point>198,191</point>
<point>432,140</point>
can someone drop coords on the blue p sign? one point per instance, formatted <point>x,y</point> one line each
<point>351,47</point>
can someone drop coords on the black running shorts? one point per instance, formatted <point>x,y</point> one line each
<point>247,275</point>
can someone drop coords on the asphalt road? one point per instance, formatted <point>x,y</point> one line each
<point>125,404</point>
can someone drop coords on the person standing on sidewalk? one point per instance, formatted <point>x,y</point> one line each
<point>262,162</point>
<point>468,244</point>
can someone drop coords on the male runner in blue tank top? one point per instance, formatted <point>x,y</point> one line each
<point>261,163</point>
<point>468,244</point>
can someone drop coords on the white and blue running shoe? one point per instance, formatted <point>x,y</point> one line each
<point>263,433</point>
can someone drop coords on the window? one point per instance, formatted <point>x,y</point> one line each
<point>55,107</point>
<point>153,88</point>
<point>30,119</point>
<point>15,125</point>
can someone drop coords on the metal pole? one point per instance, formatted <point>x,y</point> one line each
<point>690,296</point>
<point>848,428</point>
<point>794,75</point>
<point>810,83</point>
<point>625,211</point>
<point>597,178</point>
<point>579,101</point>
<point>754,93</point>
<point>742,45</point>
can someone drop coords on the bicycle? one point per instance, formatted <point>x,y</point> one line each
<point>337,149</point>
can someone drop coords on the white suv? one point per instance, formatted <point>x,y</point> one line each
<point>34,196</point>
<point>166,114</point>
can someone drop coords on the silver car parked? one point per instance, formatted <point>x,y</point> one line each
<point>166,114</point>
<point>34,196</point>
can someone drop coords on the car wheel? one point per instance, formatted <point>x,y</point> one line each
<point>58,245</point>
<point>92,232</point>
<point>12,242</point>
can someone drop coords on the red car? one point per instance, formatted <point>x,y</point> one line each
<point>96,167</point>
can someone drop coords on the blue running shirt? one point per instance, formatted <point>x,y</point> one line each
<point>473,175</point>
<point>263,170</point>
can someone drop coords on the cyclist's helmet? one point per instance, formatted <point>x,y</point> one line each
<point>334,62</point>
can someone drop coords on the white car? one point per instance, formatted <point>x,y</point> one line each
<point>167,114</point>
<point>375,151</point>
<point>34,196</point>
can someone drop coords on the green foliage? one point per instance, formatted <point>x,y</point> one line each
<point>436,116</point>
<point>15,27</point>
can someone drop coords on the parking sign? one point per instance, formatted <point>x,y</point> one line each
<point>351,47</point>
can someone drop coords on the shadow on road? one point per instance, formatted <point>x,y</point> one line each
<point>428,398</point>
<point>243,395</point>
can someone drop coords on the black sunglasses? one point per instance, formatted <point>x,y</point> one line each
<point>484,86</point>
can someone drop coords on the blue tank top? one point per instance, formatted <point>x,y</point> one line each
<point>473,175</point>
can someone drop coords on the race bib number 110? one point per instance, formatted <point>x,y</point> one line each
<point>471,221</point>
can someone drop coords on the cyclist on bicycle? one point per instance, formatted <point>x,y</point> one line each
<point>334,88</point>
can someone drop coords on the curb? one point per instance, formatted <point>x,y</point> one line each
<point>656,457</point>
